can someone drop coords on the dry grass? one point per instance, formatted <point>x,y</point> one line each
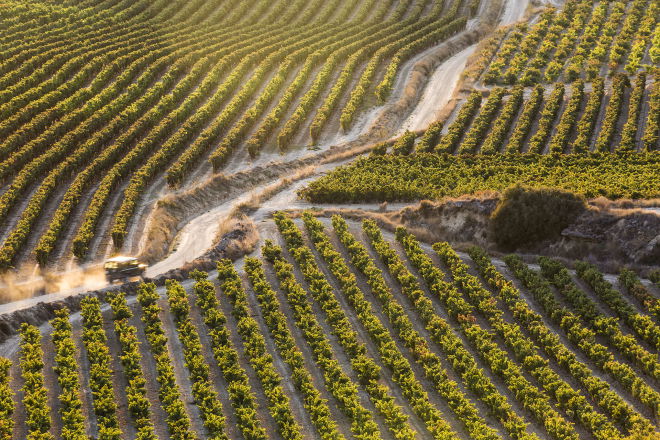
<point>258,198</point>
<point>244,243</point>
<point>623,206</point>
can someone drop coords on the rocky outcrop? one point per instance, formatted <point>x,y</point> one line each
<point>463,220</point>
<point>605,234</point>
<point>630,236</point>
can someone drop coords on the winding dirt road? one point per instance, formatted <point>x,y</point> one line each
<point>439,91</point>
<point>196,237</point>
<point>514,11</point>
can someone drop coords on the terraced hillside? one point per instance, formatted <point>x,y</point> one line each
<point>104,103</point>
<point>341,330</point>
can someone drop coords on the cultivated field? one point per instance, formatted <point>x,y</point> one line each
<point>576,83</point>
<point>341,330</point>
<point>98,118</point>
<point>373,219</point>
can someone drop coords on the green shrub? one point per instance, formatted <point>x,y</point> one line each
<point>526,215</point>
<point>654,276</point>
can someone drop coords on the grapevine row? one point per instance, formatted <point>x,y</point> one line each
<point>380,178</point>
<point>331,101</point>
<point>599,54</point>
<point>174,144</point>
<point>448,389</point>
<point>269,123</point>
<point>431,137</point>
<point>562,25</point>
<point>652,130</point>
<point>564,49</point>
<point>100,382</point>
<point>131,360</point>
<point>336,381</point>
<point>178,421</point>
<point>85,178</point>
<point>598,389</point>
<point>575,65</point>
<point>525,121</point>
<point>528,46</point>
<point>226,356</point>
<point>587,124</point>
<point>529,396</point>
<point>205,140</point>
<point>82,181</point>
<point>6,401</point>
<point>255,346</point>
<point>455,131</point>
<point>644,33</point>
<point>578,39</point>
<point>568,120</point>
<point>461,361</point>
<point>405,144</point>
<point>360,90</point>
<point>558,275</point>
<point>368,370</point>
<point>574,403</point>
<point>624,38</point>
<point>642,325</point>
<point>546,120</point>
<point>161,133</point>
<point>630,128</point>
<point>306,103</point>
<point>482,122</point>
<point>66,368</point>
<point>275,320</point>
<point>612,114</point>
<point>384,88</point>
<point>585,339</point>
<point>316,53</point>
<point>203,389</point>
<point>35,395</point>
<point>20,236</point>
<point>504,54</point>
<point>634,286</point>
<point>501,126</point>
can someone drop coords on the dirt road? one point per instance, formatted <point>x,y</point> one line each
<point>438,92</point>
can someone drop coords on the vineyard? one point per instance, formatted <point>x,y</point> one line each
<point>579,81</point>
<point>102,120</point>
<point>583,39</point>
<point>373,219</point>
<point>430,176</point>
<point>336,329</point>
<point>599,138</point>
<point>570,101</point>
<point>106,104</point>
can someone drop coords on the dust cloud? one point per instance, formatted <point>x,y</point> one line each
<point>30,281</point>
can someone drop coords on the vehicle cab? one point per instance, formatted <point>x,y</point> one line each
<point>122,268</point>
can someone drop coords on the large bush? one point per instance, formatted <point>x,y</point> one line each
<point>528,215</point>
